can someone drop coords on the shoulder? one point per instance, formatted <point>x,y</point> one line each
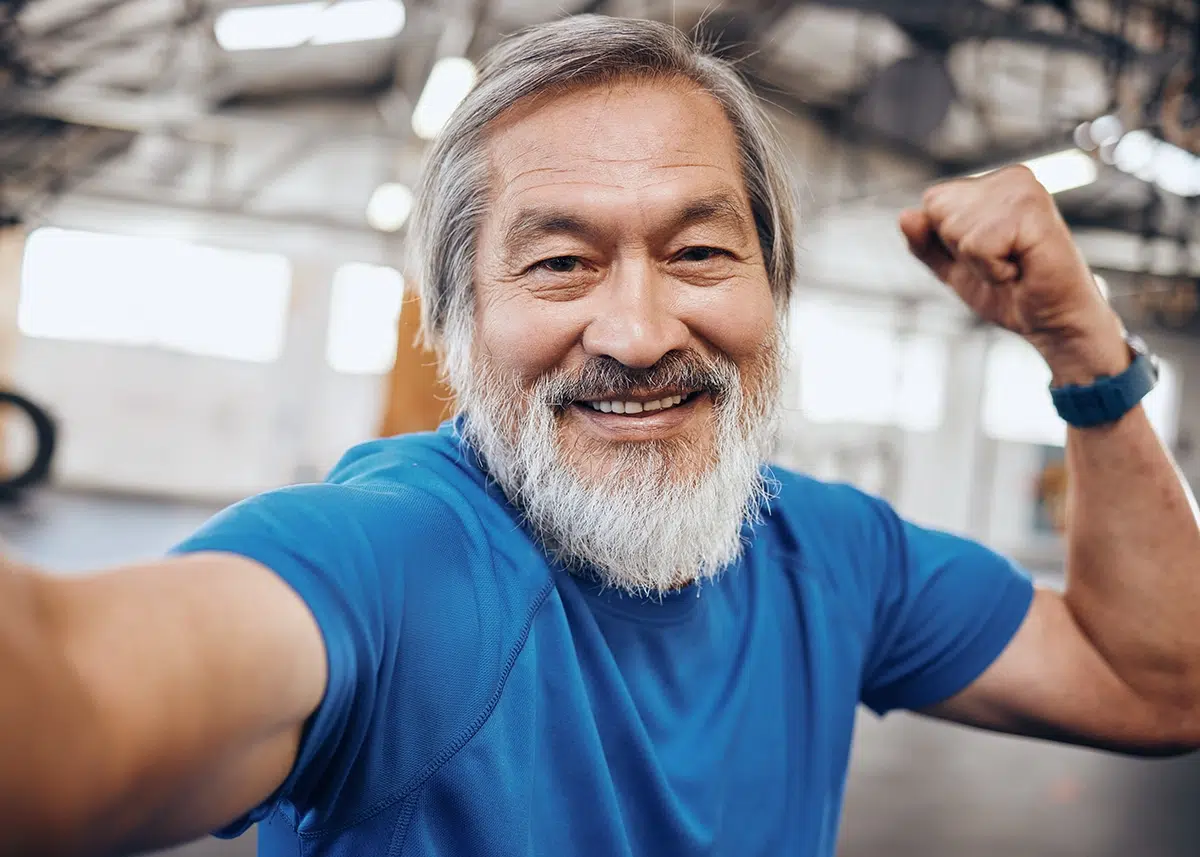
<point>403,527</point>
<point>384,500</point>
<point>850,544</point>
<point>424,458</point>
<point>421,487</point>
<point>861,529</point>
<point>848,535</point>
<point>430,488</point>
<point>797,488</point>
<point>461,539</point>
<point>811,515</point>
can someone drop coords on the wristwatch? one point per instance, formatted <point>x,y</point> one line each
<point>1107,399</point>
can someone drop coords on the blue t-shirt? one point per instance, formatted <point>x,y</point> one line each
<point>483,702</point>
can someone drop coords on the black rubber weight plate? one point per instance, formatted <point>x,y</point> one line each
<point>46,432</point>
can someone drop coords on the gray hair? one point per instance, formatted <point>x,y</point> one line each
<point>453,193</point>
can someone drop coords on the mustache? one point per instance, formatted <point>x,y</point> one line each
<point>607,378</point>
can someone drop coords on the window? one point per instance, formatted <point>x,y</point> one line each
<point>125,290</point>
<point>1017,405</point>
<point>856,366</point>
<point>363,314</point>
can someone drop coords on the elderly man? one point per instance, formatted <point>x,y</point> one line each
<point>584,618</point>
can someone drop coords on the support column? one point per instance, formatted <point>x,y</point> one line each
<point>939,480</point>
<point>12,256</point>
<point>417,400</point>
<point>301,370</point>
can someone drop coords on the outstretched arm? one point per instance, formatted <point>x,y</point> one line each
<point>1114,661</point>
<point>134,710</point>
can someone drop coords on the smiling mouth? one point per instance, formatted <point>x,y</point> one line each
<point>640,406</point>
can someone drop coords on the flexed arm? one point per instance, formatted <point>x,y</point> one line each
<point>1115,660</point>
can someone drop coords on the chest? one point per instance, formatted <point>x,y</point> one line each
<point>723,731</point>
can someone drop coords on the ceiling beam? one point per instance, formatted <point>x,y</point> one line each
<point>232,214</point>
<point>75,57</point>
<point>938,24</point>
<point>91,19</point>
<point>277,167</point>
<point>183,116</point>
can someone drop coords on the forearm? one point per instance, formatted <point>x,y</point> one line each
<point>1132,545</point>
<point>45,760</point>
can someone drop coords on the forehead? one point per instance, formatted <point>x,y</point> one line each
<point>650,139</point>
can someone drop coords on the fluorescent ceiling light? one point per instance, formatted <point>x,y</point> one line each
<point>1063,170</point>
<point>450,80</point>
<point>389,207</point>
<point>359,21</point>
<point>1173,169</point>
<point>261,27</point>
<point>1059,171</point>
<point>1105,130</point>
<point>1135,153</point>
<point>321,22</point>
<point>1176,171</point>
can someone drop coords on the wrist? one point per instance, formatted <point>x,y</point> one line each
<point>1085,354</point>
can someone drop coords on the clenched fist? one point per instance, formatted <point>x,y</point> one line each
<point>1001,244</point>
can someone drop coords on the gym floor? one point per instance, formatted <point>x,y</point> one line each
<point>916,789</point>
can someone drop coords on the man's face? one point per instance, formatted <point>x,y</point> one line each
<point>622,299</point>
<point>621,231</point>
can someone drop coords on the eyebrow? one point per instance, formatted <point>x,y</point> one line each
<point>719,208</point>
<point>532,223</point>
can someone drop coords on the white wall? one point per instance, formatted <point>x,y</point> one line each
<point>152,421</point>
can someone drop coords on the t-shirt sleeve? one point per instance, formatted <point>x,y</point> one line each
<point>316,538</point>
<point>945,608</point>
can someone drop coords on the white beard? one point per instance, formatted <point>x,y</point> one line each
<point>645,528</point>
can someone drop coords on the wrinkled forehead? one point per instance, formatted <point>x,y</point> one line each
<point>652,142</point>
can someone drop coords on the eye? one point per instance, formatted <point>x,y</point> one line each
<point>700,254</point>
<point>558,264</point>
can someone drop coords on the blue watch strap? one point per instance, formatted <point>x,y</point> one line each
<point>1107,399</point>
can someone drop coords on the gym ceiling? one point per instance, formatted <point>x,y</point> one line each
<point>135,100</point>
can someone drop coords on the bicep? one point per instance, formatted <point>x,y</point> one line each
<point>1050,682</point>
<point>201,671</point>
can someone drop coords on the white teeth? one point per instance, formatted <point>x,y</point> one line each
<point>613,407</point>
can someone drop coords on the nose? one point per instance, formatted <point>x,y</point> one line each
<point>634,322</point>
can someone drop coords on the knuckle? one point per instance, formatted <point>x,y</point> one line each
<point>1026,185</point>
<point>1020,172</point>
<point>940,201</point>
<point>959,223</point>
<point>976,246</point>
<point>970,245</point>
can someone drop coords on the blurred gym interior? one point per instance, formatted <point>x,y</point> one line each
<point>202,226</point>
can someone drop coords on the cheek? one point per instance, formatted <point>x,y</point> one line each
<point>737,322</point>
<point>522,338</point>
